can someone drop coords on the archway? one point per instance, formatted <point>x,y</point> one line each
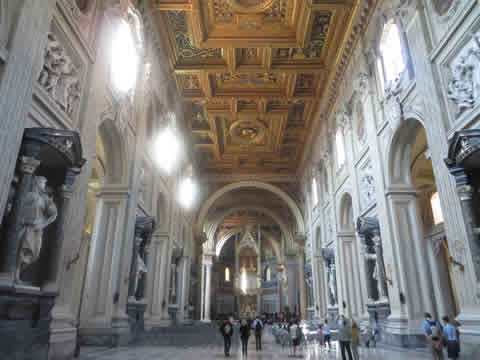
<point>105,219</point>
<point>300,224</point>
<point>420,250</point>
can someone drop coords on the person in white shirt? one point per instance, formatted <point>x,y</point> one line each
<point>326,335</point>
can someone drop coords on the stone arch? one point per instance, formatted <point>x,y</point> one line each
<point>255,184</point>
<point>398,156</point>
<point>212,229</point>
<point>115,152</point>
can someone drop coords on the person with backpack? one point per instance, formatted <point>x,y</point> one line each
<point>227,331</point>
<point>344,336</point>
<point>244,335</point>
<point>451,336</point>
<point>433,333</point>
<point>258,328</point>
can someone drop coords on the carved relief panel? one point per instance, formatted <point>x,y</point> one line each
<point>463,86</point>
<point>366,184</point>
<point>61,80</point>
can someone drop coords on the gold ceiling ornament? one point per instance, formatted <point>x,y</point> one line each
<point>247,131</point>
<point>250,6</point>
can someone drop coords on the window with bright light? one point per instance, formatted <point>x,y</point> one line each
<point>243,281</point>
<point>314,192</point>
<point>187,193</point>
<point>124,58</point>
<point>340,148</point>
<point>167,149</point>
<point>227,274</point>
<point>393,62</point>
<point>268,274</point>
<point>436,209</point>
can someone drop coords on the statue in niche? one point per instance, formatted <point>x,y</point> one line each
<point>39,211</point>
<point>140,270</point>
<point>332,284</point>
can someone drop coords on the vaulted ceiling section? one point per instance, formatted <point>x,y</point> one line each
<point>252,74</point>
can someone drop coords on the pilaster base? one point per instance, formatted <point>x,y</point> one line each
<point>470,333</point>
<point>25,323</point>
<point>117,334</point>
<point>332,314</point>
<point>397,333</point>
<point>63,334</point>
<point>136,311</point>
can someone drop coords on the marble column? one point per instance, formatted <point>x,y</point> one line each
<point>302,289</point>
<point>56,270</point>
<point>26,46</point>
<point>99,319</point>
<point>155,285</point>
<point>208,283</point>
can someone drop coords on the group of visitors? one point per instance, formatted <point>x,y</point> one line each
<point>246,326</point>
<point>438,337</point>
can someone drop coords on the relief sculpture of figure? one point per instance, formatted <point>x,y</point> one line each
<point>39,211</point>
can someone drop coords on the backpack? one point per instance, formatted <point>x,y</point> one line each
<point>258,327</point>
<point>435,329</point>
<point>228,329</point>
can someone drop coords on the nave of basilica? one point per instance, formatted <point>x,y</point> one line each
<point>167,164</point>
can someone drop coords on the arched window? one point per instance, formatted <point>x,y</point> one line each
<point>124,60</point>
<point>392,60</point>
<point>340,148</point>
<point>436,209</point>
<point>243,281</point>
<point>314,192</point>
<point>227,274</point>
<point>268,274</point>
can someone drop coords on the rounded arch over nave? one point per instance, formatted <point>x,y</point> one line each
<point>203,212</point>
<point>218,220</point>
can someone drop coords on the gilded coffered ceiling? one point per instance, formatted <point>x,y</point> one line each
<point>252,74</point>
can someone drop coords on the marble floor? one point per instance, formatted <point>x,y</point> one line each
<point>214,351</point>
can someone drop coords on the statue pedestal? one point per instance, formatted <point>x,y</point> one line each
<point>25,322</point>
<point>136,312</point>
<point>332,314</point>
<point>378,313</point>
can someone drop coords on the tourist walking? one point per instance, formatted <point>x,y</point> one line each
<point>244,335</point>
<point>227,331</point>
<point>257,325</point>
<point>355,340</point>
<point>433,333</point>
<point>295,335</point>
<point>326,335</point>
<point>451,335</point>
<point>344,336</point>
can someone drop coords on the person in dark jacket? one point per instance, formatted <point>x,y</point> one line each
<point>244,335</point>
<point>227,331</point>
<point>257,326</point>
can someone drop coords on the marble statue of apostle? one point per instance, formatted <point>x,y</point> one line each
<point>39,211</point>
<point>141,269</point>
